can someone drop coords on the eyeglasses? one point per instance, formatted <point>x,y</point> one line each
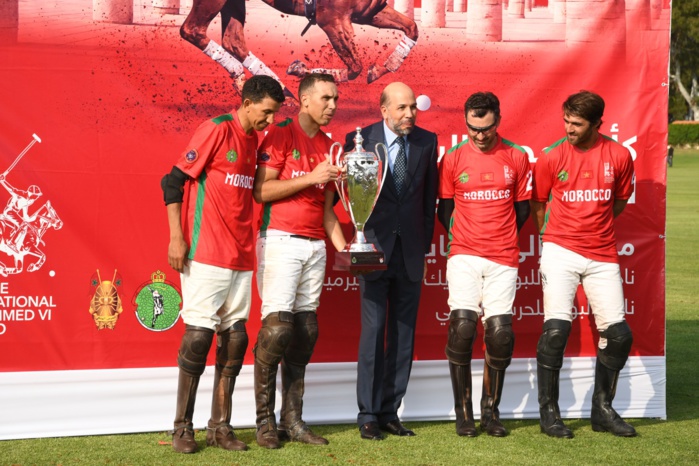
<point>483,129</point>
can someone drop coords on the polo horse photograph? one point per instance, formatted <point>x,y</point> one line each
<point>334,17</point>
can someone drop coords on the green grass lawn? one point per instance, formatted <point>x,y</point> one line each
<point>659,442</point>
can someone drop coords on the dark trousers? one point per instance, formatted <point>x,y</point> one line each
<point>389,314</point>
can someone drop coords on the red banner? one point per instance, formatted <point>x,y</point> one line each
<point>93,113</point>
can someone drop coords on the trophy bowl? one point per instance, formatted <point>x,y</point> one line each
<point>359,189</point>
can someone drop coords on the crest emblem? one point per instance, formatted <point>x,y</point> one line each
<point>105,305</point>
<point>463,178</point>
<point>296,154</point>
<point>562,176</point>
<point>191,156</point>
<point>231,156</point>
<point>157,304</point>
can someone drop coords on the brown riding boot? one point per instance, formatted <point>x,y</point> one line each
<point>191,360</point>
<point>296,357</point>
<point>463,406</point>
<point>183,433</point>
<point>291,424</point>
<point>272,340</point>
<point>232,344</point>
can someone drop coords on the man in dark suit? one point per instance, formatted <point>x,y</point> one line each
<point>402,224</point>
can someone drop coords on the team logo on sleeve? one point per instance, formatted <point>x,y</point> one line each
<point>263,157</point>
<point>296,154</point>
<point>231,156</point>
<point>191,156</point>
<point>562,176</point>
<point>463,178</point>
<point>157,303</point>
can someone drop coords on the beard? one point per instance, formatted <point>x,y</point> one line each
<point>396,127</point>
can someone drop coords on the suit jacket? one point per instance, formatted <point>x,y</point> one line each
<point>414,209</point>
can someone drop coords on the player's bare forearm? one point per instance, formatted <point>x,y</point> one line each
<point>269,188</point>
<point>331,224</point>
<point>538,214</point>
<point>177,249</point>
<point>619,206</point>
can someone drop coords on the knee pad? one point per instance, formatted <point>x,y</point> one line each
<point>499,341</point>
<point>230,353</point>
<point>194,349</point>
<point>304,339</point>
<point>274,337</point>
<point>552,344</point>
<point>619,340</point>
<point>462,333</point>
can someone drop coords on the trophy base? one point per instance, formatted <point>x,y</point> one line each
<point>359,261</point>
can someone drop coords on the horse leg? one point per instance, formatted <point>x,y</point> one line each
<point>194,28</point>
<point>388,18</point>
<point>341,35</point>
<point>34,251</point>
<point>233,39</point>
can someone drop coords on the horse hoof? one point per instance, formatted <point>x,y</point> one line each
<point>297,68</point>
<point>375,73</point>
<point>238,83</point>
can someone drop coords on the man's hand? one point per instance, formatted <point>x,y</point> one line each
<point>176,254</point>
<point>325,172</point>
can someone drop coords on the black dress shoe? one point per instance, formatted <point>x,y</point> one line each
<point>396,428</point>
<point>371,431</point>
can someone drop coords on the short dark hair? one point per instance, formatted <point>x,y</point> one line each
<point>311,79</point>
<point>258,87</point>
<point>585,104</point>
<point>481,103</point>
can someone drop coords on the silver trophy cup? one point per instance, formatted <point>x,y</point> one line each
<point>359,189</point>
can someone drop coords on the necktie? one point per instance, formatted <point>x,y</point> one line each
<point>399,166</point>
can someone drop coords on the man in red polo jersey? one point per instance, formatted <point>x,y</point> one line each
<point>294,182</point>
<point>581,182</point>
<point>208,195</point>
<point>484,191</point>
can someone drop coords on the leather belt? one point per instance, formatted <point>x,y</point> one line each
<point>263,234</point>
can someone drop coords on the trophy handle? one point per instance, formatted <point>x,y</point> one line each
<point>335,154</point>
<point>385,162</point>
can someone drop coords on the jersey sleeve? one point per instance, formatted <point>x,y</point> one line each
<point>446,176</point>
<point>204,144</point>
<point>273,150</point>
<point>541,179</point>
<point>624,179</point>
<point>524,178</point>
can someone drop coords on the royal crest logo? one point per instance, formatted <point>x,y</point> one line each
<point>296,154</point>
<point>21,231</point>
<point>608,172</point>
<point>191,156</point>
<point>509,175</point>
<point>231,156</point>
<point>157,303</point>
<point>562,176</point>
<point>105,305</point>
<point>463,178</point>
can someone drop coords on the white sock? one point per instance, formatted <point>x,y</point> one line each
<point>224,58</point>
<point>255,66</point>
<point>400,53</point>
